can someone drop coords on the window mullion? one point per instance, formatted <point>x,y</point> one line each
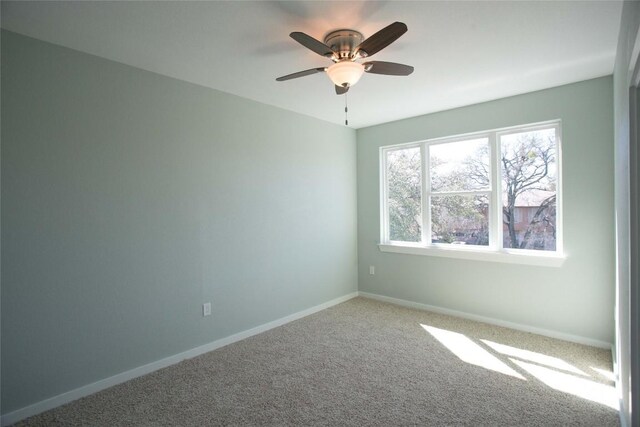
<point>559,191</point>
<point>384,203</point>
<point>462,193</point>
<point>495,210</point>
<point>426,195</point>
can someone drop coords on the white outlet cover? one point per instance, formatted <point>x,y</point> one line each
<point>206,309</point>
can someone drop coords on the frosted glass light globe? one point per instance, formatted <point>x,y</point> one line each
<point>345,72</point>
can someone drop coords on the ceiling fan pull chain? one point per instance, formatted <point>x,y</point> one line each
<point>346,110</point>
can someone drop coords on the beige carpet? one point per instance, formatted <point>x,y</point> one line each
<point>366,363</point>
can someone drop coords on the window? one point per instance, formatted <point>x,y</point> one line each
<point>460,191</point>
<point>495,193</point>
<point>404,194</point>
<point>528,167</point>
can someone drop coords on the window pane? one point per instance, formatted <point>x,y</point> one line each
<point>529,180</point>
<point>460,166</point>
<point>461,220</point>
<point>404,178</point>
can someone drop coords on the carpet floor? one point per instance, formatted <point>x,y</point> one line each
<point>364,362</point>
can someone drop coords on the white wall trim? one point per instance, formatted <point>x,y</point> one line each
<point>616,379</point>
<point>623,419</point>
<point>517,326</point>
<point>61,399</point>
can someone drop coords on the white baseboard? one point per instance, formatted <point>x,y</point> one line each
<point>517,326</point>
<point>61,399</point>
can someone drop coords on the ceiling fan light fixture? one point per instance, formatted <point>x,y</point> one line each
<point>345,73</point>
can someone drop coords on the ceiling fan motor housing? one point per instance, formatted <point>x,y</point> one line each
<point>344,42</point>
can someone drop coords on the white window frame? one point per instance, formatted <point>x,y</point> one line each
<point>494,251</point>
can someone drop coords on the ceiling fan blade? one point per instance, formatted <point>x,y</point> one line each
<point>381,39</point>
<point>341,90</point>
<point>301,74</point>
<point>313,44</point>
<point>388,68</point>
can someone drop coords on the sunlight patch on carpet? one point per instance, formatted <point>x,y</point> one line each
<point>581,387</point>
<point>605,373</point>
<point>468,351</point>
<point>533,356</point>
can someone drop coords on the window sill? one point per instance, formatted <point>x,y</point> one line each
<point>477,254</point>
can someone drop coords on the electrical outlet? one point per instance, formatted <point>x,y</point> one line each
<point>372,270</point>
<point>206,309</point>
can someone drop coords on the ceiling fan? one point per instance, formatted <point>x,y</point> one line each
<point>344,48</point>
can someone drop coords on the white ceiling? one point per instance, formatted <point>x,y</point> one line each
<point>463,52</point>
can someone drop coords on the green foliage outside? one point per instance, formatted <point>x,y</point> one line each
<point>460,219</point>
<point>404,195</point>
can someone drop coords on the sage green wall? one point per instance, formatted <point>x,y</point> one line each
<point>576,298</point>
<point>130,198</point>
